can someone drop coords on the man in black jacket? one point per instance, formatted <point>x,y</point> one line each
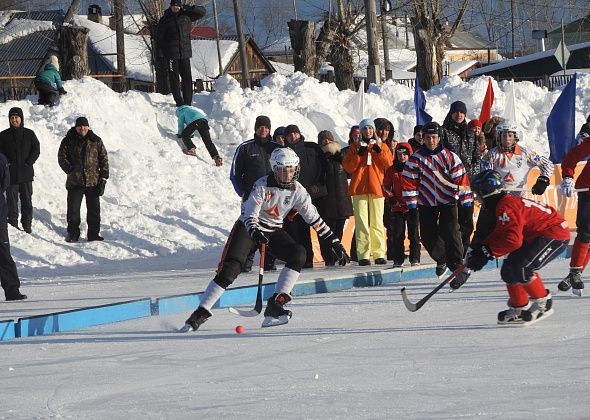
<point>456,136</point>
<point>21,147</point>
<point>8,274</point>
<point>174,45</point>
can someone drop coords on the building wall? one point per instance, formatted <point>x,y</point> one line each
<point>256,67</point>
<point>465,55</point>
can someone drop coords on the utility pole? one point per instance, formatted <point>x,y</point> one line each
<point>119,7</point>
<point>242,44</point>
<point>512,24</point>
<point>373,69</point>
<point>217,37</point>
<point>385,33</point>
<point>294,10</point>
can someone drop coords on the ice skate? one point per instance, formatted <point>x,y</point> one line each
<point>540,308</point>
<point>275,314</point>
<point>573,280</point>
<point>441,270</point>
<point>460,279</point>
<point>196,319</point>
<point>512,315</point>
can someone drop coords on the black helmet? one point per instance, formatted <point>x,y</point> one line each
<point>431,128</point>
<point>487,183</point>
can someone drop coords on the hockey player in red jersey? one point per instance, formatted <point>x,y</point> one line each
<point>580,254</point>
<point>532,234</point>
<point>272,198</point>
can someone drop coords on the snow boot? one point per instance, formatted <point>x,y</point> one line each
<point>197,319</point>
<point>541,307</point>
<point>573,279</point>
<point>275,313</point>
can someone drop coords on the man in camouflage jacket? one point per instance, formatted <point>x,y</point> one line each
<point>83,157</point>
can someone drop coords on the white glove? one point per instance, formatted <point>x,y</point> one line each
<point>567,186</point>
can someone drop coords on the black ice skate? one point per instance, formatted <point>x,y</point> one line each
<point>460,279</point>
<point>573,279</point>
<point>196,319</point>
<point>441,269</point>
<point>275,314</point>
<point>540,308</point>
<point>512,315</point>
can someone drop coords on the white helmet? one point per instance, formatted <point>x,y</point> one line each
<point>507,126</point>
<point>285,166</point>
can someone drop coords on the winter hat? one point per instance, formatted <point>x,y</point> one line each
<point>262,120</point>
<point>53,60</point>
<point>367,122</point>
<point>280,131</point>
<point>176,3</point>
<point>417,129</point>
<point>474,123</point>
<point>431,128</point>
<point>82,121</point>
<point>15,111</point>
<point>292,128</point>
<point>458,106</point>
<point>404,146</point>
<point>325,135</point>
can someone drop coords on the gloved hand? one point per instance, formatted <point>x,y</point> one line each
<point>377,147</point>
<point>541,185</point>
<point>479,257</point>
<point>568,186</point>
<point>218,160</point>
<point>259,236</point>
<point>102,183</point>
<point>338,249</point>
<point>62,91</point>
<point>363,148</point>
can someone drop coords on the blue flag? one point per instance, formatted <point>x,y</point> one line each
<point>422,117</point>
<point>561,130</point>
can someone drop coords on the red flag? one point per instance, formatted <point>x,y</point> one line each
<point>488,101</point>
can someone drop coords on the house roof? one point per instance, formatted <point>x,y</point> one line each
<point>579,25</point>
<point>467,41</point>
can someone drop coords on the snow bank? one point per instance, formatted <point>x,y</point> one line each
<point>162,207</point>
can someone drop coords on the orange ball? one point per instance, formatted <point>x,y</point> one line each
<point>239,329</point>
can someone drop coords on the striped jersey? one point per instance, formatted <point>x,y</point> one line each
<point>421,186</point>
<point>514,167</point>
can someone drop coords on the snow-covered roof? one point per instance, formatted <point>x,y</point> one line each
<point>458,67</point>
<point>205,64</point>
<point>18,28</point>
<point>282,68</point>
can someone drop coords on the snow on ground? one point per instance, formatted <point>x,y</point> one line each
<point>162,209</point>
<point>357,354</point>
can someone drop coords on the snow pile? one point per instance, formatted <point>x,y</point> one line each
<point>18,28</point>
<point>162,207</point>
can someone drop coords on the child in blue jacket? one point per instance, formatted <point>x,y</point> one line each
<point>189,120</point>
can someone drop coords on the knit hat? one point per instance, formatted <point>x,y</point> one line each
<point>367,122</point>
<point>82,121</point>
<point>280,131</point>
<point>404,146</point>
<point>176,3</point>
<point>458,106</point>
<point>262,120</point>
<point>17,111</point>
<point>417,129</point>
<point>292,128</point>
<point>325,135</point>
<point>474,123</point>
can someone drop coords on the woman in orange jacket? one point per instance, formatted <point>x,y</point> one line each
<point>367,160</point>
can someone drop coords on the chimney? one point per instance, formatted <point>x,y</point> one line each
<point>95,13</point>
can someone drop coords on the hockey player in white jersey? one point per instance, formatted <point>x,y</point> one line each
<point>513,162</point>
<point>272,198</point>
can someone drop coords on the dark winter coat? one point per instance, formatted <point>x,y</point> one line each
<point>21,147</point>
<point>174,32</point>
<point>4,183</point>
<point>337,204</point>
<point>84,159</point>
<point>415,144</point>
<point>49,75</point>
<point>312,164</point>
<point>251,162</point>
<point>460,140</point>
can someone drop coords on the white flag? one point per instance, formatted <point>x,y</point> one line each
<point>510,104</point>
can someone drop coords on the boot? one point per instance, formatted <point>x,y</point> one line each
<point>15,295</point>
<point>197,318</point>
<point>573,279</point>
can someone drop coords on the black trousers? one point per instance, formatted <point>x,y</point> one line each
<point>396,223</point>
<point>239,244</point>
<point>583,218</point>
<point>202,127</point>
<point>465,215</point>
<point>25,191</point>
<point>8,275</point>
<point>75,196</point>
<point>48,95</point>
<point>298,229</point>
<point>520,265</point>
<point>337,226</point>
<point>439,232</point>
<point>181,68</point>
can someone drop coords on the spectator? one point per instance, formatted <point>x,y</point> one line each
<point>584,130</point>
<point>397,215</point>
<point>312,177</point>
<point>416,142</point>
<point>21,148</point>
<point>189,120</point>
<point>458,139</point>
<point>436,200</point>
<point>335,207</point>
<point>367,161</point>
<point>173,39</point>
<point>48,83</point>
<point>474,126</point>
<point>83,157</point>
<point>489,131</point>
<point>386,132</point>
<point>279,136</point>
<point>354,135</point>
<point>8,274</point>
<point>250,162</point>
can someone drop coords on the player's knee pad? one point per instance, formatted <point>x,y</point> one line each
<point>227,273</point>
<point>296,258</point>
<point>512,273</point>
